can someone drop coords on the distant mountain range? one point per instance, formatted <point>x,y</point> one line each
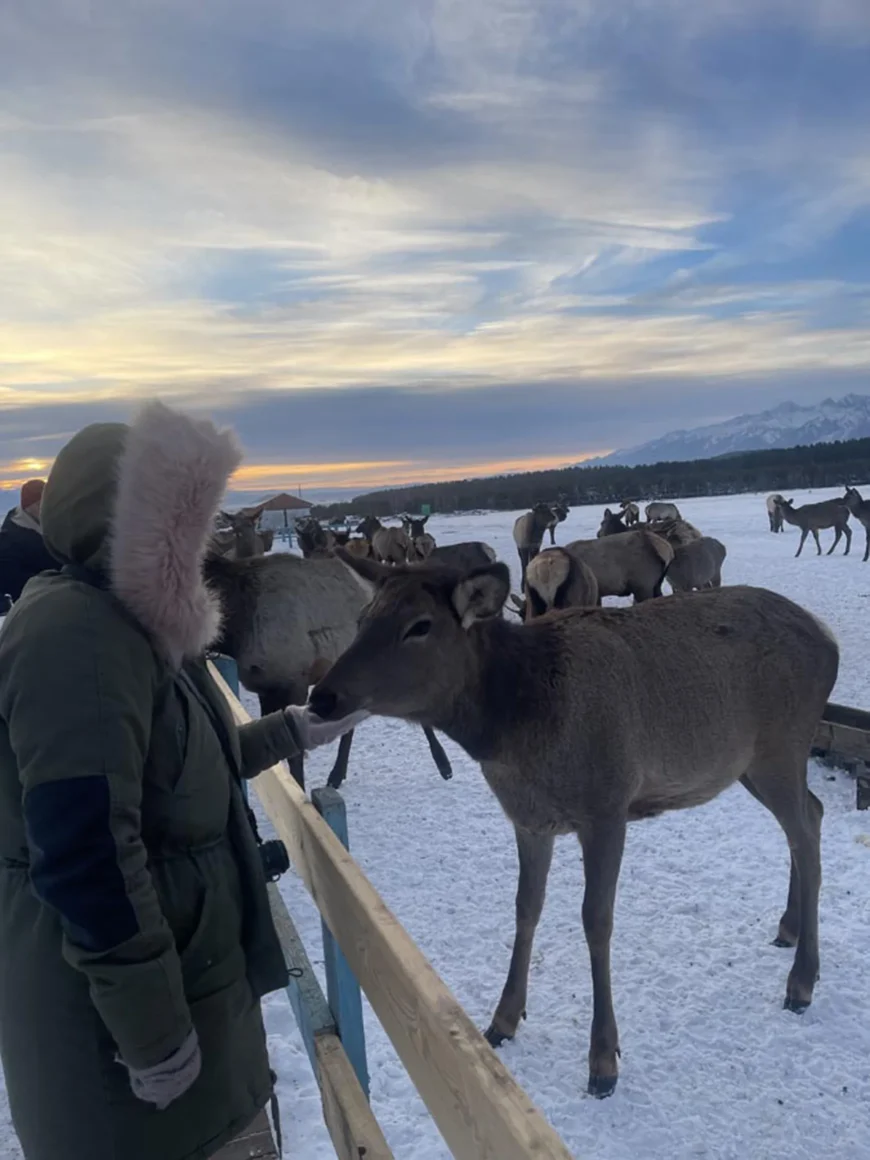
<point>787,425</point>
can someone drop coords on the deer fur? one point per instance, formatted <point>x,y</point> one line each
<point>697,564</point>
<point>860,509</point>
<point>286,619</point>
<point>556,579</point>
<point>676,532</point>
<point>560,514</point>
<point>467,555</point>
<point>774,515</point>
<point>630,512</point>
<point>661,511</point>
<point>529,531</point>
<point>424,546</point>
<point>414,526</point>
<point>629,564</point>
<point>389,545</point>
<point>813,517</point>
<point>587,719</point>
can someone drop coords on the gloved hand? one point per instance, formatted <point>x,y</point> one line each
<point>166,1081</point>
<point>313,730</point>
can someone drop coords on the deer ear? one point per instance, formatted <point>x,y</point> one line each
<point>365,566</point>
<point>481,594</point>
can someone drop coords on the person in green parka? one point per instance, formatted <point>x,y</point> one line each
<point>135,935</point>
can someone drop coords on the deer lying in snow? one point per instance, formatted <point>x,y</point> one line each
<point>585,720</point>
<point>813,517</point>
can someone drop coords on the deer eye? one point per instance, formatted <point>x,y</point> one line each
<point>418,629</point>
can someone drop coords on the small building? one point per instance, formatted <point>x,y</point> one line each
<point>280,512</point>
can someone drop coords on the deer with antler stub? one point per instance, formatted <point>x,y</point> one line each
<point>585,720</point>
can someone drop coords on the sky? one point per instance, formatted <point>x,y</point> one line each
<point>393,240</point>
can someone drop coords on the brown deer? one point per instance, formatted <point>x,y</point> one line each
<point>813,517</point>
<point>697,564</point>
<point>657,510</point>
<point>285,620</point>
<point>774,514</point>
<point>587,719</point>
<point>860,509</point>
<point>529,531</point>
<point>630,564</point>
<point>630,512</point>
<point>560,514</point>
<point>556,579</point>
<point>389,545</point>
<point>612,524</point>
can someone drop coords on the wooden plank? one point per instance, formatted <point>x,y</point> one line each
<point>342,988</point>
<point>352,1127</point>
<point>313,1016</point>
<point>842,741</point>
<point>256,1143</point>
<point>480,1110</point>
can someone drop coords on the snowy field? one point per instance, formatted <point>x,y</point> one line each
<point>712,1067</point>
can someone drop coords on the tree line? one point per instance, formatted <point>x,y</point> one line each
<point>789,469</point>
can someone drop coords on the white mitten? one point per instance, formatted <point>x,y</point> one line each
<point>313,731</point>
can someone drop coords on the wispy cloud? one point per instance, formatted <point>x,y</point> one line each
<point>439,196</point>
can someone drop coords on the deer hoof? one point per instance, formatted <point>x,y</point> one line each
<point>779,941</point>
<point>602,1086</point>
<point>494,1037</point>
<point>798,1006</point>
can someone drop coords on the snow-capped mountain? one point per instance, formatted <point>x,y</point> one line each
<point>787,425</point>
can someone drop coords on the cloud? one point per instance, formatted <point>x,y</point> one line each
<point>437,197</point>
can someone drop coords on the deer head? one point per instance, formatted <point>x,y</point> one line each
<point>415,640</point>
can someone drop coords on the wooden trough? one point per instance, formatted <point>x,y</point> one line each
<point>842,741</point>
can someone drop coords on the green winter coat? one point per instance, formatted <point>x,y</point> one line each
<point>132,901</point>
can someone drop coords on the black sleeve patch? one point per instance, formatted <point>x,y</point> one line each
<point>74,861</point>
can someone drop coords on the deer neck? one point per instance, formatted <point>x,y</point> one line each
<point>496,695</point>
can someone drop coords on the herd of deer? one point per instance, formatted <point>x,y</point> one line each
<point>583,718</point>
<point>816,517</point>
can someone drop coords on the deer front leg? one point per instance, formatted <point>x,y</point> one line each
<point>339,771</point>
<point>847,532</point>
<point>603,841</point>
<point>535,854</point>
<point>442,761</point>
<point>866,542</point>
<point>837,533</point>
<point>804,533</point>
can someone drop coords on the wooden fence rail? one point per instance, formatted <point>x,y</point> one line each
<point>479,1108</point>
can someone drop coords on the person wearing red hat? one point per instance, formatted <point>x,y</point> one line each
<point>22,549</point>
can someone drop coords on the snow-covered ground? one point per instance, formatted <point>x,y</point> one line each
<point>712,1067</point>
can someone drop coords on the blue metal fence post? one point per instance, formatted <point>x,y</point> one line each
<point>229,670</point>
<point>342,989</point>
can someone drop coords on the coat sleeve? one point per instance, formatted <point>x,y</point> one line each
<point>266,742</point>
<point>78,696</point>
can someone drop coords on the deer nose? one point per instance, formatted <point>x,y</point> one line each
<point>323,702</point>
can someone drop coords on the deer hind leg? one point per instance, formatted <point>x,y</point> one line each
<point>866,542</point>
<point>535,855</point>
<point>783,789</point>
<point>339,771</point>
<point>603,843</point>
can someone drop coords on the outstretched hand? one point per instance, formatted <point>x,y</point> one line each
<point>313,731</point>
